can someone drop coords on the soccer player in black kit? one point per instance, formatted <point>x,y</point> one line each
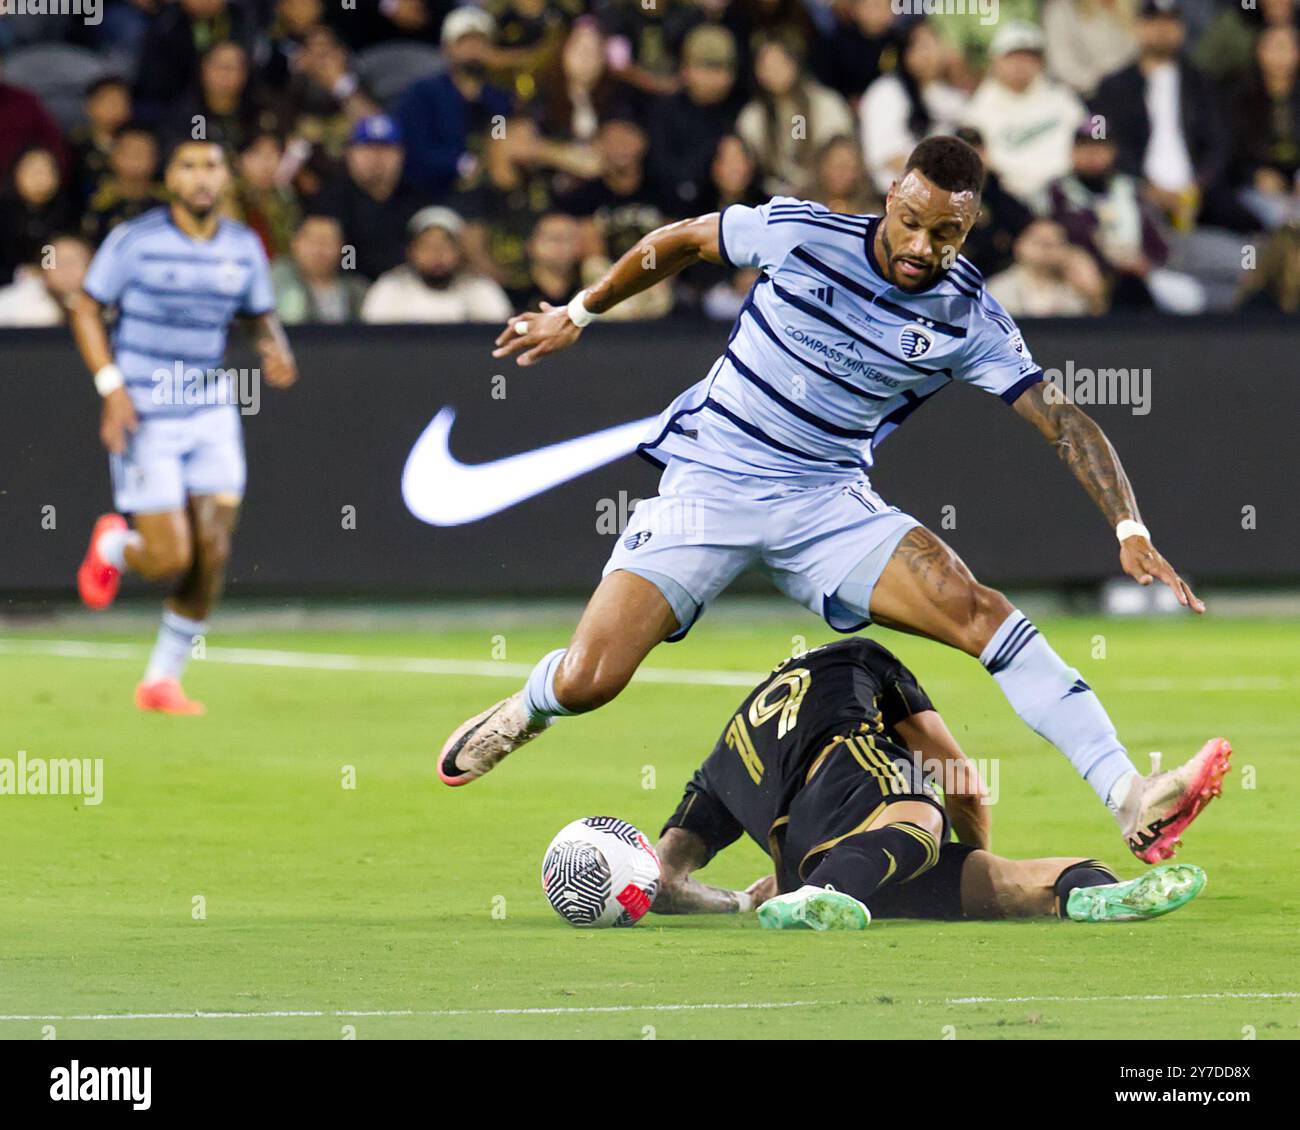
<point>817,766</point>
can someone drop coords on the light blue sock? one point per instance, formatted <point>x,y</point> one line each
<point>1054,701</point>
<point>175,643</point>
<point>539,691</point>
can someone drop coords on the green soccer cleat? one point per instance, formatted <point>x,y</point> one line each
<point>814,908</point>
<point>1150,895</point>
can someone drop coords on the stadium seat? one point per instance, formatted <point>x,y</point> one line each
<point>389,68</point>
<point>57,73</point>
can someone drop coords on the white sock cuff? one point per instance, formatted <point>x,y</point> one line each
<point>1008,641</point>
<point>183,625</point>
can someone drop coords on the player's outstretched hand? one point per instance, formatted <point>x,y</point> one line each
<point>278,365</point>
<point>535,335</point>
<point>1143,562</point>
<point>116,419</point>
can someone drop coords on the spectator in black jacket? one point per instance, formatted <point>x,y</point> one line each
<point>1266,129</point>
<point>685,128</point>
<point>1164,116</point>
<point>178,35</point>
<point>372,202</point>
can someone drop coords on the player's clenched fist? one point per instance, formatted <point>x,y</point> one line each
<point>116,419</point>
<point>537,334</point>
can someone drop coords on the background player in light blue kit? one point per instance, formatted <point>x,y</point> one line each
<point>853,323</point>
<point>177,276</point>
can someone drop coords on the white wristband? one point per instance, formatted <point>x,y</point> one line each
<point>109,379</point>
<point>579,315</point>
<point>1127,528</point>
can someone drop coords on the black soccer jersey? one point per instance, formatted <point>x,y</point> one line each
<point>841,699</point>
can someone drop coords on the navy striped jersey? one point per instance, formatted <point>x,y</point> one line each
<point>827,357</point>
<point>175,298</point>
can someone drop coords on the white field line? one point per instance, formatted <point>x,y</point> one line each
<point>579,1010</point>
<point>497,669</point>
<point>1290,995</point>
<point>436,1012</point>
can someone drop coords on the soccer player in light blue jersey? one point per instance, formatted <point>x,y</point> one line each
<point>854,322</point>
<point>177,277</point>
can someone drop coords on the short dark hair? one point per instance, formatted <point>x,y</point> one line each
<point>949,163</point>
<point>177,141</point>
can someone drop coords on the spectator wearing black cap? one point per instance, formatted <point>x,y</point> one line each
<point>1164,116</point>
<point>372,200</point>
<point>448,118</point>
<point>434,284</point>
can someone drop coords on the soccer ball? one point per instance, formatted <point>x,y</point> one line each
<point>600,871</point>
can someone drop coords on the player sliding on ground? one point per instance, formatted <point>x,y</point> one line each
<point>815,767</point>
<point>177,276</point>
<point>854,322</point>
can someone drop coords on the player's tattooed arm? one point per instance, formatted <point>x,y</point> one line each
<point>1084,448</point>
<point>655,257</point>
<point>272,344</point>
<point>681,852</point>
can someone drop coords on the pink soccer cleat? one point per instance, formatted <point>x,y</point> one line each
<point>1168,802</point>
<point>97,580</point>
<point>164,696</point>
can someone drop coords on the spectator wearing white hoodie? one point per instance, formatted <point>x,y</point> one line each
<point>1027,120</point>
<point>434,285</point>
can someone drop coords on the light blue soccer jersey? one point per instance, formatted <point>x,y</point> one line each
<point>827,357</point>
<point>175,298</point>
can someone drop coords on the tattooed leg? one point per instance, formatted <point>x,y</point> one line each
<point>927,590</point>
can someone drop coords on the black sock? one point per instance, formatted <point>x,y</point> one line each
<point>860,865</point>
<point>1089,873</point>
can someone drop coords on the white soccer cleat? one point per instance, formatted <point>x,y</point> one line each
<point>1163,804</point>
<point>814,908</point>
<point>478,745</point>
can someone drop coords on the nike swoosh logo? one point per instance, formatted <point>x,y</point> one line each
<point>441,490</point>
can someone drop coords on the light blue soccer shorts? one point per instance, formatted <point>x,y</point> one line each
<point>823,544</point>
<point>170,457</point>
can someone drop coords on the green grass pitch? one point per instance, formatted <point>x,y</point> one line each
<point>401,908</point>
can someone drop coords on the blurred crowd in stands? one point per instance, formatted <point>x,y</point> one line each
<point>413,161</point>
